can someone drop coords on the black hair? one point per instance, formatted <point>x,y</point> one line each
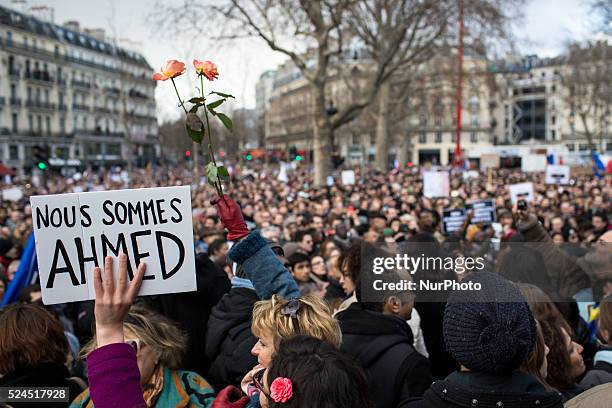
<point>300,234</point>
<point>321,375</point>
<point>296,258</point>
<point>215,246</point>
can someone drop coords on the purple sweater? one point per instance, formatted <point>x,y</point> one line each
<point>114,379</point>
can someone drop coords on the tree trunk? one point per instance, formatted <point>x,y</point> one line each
<point>402,154</point>
<point>382,129</point>
<point>322,132</point>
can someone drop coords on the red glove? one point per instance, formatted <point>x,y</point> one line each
<point>231,217</point>
<point>230,397</point>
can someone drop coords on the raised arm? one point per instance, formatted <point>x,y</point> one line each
<point>252,252</point>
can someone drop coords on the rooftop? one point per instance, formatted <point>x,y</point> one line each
<point>24,22</point>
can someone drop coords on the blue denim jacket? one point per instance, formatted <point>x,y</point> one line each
<point>262,267</point>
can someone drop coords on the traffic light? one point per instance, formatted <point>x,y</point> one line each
<point>249,157</point>
<point>188,155</point>
<point>298,157</point>
<point>41,156</point>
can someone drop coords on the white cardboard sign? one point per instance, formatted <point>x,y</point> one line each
<point>533,162</point>
<point>348,177</point>
<point>74,232</point>
<point>435,184</point>
<point>12,194</point>
<point>521,191</point>
<point>557,174</point>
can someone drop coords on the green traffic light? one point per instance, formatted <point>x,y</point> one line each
<point>298,158</point>
<point>249,157</point>
<point>42,166</point>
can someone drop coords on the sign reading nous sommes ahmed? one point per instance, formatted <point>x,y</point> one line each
<point>75,232</point>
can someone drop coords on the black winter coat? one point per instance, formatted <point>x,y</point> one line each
<point>43,375</point>
<point>395,371</point>
<point>482,390</point>
<point>191,311</point>
<point>229,339</point>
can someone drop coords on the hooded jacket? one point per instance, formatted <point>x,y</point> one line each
<point>382,344</point>
<point>483,390</point>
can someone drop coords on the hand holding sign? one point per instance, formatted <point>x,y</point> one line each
<point>114,299</point>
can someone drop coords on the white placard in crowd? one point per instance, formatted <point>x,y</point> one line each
<point>435,184</point>
<point>348,177</point>
<point>74,232</point>
<point>520,191</point>
<point>282,174</point>
<point>557,174</point>
<point>489,161</point>
<point>533,162</point>
<point>329,181</point>
<point>12,194</point>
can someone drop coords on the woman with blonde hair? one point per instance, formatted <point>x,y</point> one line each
<point>159,347</point>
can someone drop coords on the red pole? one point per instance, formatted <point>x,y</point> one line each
<point>457,156</point>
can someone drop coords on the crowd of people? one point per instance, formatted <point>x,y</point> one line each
<point>280,317</point>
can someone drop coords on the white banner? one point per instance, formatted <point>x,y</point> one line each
<point>435,184</point>
<point>75,232</point>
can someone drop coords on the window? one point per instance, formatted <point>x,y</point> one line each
<point>48,123</point>
<point>438,137</point>
<point>34,44</point>
<point>56,50</point>
<point>29,91</point>
<point>9,38</point>
<point>553,119</point>
<point>31,123</point>
<point>62,125</point>
<point>474,120</point>
<point>438,121</point>
<point>571,147</point>
<point>506,122</point>
<point>13,152</point>
<point>608,147</point>
<point>14,123</point>
<point>13,91</point>
<point>356,140</point>
<point>473,137</point>
<point>46,96</point>
<point>583,147</point>
<point>553,134</point>
<point>25,41</point>
<point>422,137</point>
<point>113,149</point>
<point>39,124</point>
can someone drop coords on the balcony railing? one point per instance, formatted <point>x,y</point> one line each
<point>102,109</point>
<point>81,84</point>
<point>112,90</point>
<point>14,73</point>
<point>42,76</point>
<point>62,107</point>
<point>15,101</point>
<point>40,104</point>
<point>78,106</point>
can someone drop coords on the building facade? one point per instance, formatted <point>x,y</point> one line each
<point>521,100</point>
<point>71,92</point>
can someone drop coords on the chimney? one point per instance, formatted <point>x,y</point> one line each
<point>72,25</point>
<point>97,33</point>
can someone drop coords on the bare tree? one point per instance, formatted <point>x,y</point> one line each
<point>586,81</point>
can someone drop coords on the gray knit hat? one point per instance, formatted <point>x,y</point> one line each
<point>491,330</point>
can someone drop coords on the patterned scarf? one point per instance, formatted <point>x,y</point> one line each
<point>154,386</point>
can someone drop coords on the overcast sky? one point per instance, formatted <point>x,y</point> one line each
<point>548,26</point>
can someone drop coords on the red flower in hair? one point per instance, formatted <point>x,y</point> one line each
<point>281,389</point>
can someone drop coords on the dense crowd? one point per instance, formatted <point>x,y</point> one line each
<point>280,319</point>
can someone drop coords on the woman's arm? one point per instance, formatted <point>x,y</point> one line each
<point>114,378</point>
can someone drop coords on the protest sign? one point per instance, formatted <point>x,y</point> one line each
<point>489,161</point>
<point>75,232</point>
<point>533,162</point>
<point>557,174</point>
<point>483,211</point>
<point>12,194</point>
<point>348,177</point>
<point>282,174</point>
<point>521,191</point>
<point>435,184</point>
<point>452,220</point>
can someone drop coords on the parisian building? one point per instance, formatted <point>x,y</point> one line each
<point>73,94</point>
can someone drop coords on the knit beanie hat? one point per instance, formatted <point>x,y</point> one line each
<point>491,330</point>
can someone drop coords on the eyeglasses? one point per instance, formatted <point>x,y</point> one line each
<point>135,344</point>
<point>258,382</point>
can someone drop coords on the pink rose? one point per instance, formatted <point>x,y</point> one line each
<point>281,389</point>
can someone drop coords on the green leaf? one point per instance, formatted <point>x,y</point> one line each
<point>223,173</point>
<point>215,104</point>
<point>197,100</point>
<point>223,95</point>
<point>195,127</point>
<point>227,122</point>
<point>212,174</point>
